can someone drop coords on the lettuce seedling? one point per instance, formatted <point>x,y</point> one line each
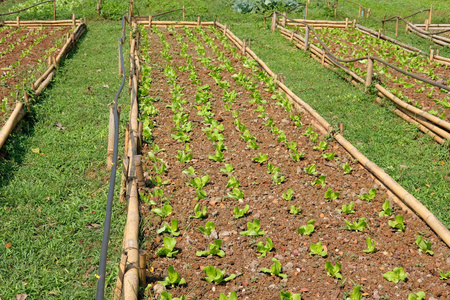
<point>253,229</point>
<point>444,276</point>
<point>169,245</point>
<point>320,180</point>
<point>424,246</point>
<point>357,226</point>
<point>264,249</point>
<point>294,210</point>
<point>199,214</point>
<point>247,136</point>
<point>313,137</point>
<point>218,156</point>
<point>153,158</point>
<point>398,223</point>
<point>271,168</point>
<point>269,123</point>
<point>233,182</point>
<point>240,126</point>
<point>209,227</point>
<point>216,275</point>
<point>214,249</point>
<point>395,275</point>
<point>189,171</point>
<point>387,209</point>
<point>278,178</point>
<point>289,195</point>
<point>198,182</point>
<point>333,271</point>
<point>317,249</point>
<point>368,196</point>
<point>347,168</point>
<point>311,170</point>
<point>307,229</point>
<point>322,146</point>
<point>181,137</point>
<point>236,194</point>
<point>184,157</point>
<point>275,269</point>
<point>157,181</point>
<point>252,144</point>
<point>164,211</point>
<point>329,194</point>
<point>288,296</point>
<point>227,169</point>
<point>222,296</point>
<point>261,158</point>
<point>239,213</point>
<point>308,131</point>
<point>348,208</point>
<point>229,96</point>
<point>295,155</point>
<point>160,170</point>
<point>329,156</point>
<point>356,293</point>
<point>370,246</point>
<point>416,296</point>
<point>167,296</point>
<point>173,278</point>
<point>170,229</point>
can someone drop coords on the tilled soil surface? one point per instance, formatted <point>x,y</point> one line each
<point>306,273</point>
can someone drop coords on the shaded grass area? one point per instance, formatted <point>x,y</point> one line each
<point>419,164</point>
<point>52,202</point>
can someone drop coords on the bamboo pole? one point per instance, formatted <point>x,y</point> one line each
<point>15,117</point>
<point>143,267</point>
<point>198,21</point>
<point>54,10</point>
<point>73,21</point>
<point>306,12</point>
<point>184,15</point>
<point>429,16</point>
<point>440,132</point>
<point>118,289</point>
<point>274,21</point>
<point>111,131</point>
<point>431,54</point>
<point>139,170</point>
<point>44,83</point>
<point>243,47</point>
<point>396,27</point>
<point>369,72</point>
<point>43,76</point>
<point>124,179</point>
<point>283,19</point>
<point>346,23</point>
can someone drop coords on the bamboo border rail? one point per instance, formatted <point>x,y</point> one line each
<point>41,83</point>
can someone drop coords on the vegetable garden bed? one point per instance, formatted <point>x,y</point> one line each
<point>232,167</point>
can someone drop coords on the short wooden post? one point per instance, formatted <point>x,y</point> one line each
<point>306,38</point>
<point>335,12</point>
<point>396,26</point>
<point>127,137</point>
<point>281,78</point>
<point>437,52</point>
<point>368,13</point>
<point>73,21</point>
<point>292,36</point>
<point>139,170</point>
<point>53,61</point>
<point>427,24</point>
<point>369,72</point>
<point>54,10</point>
<point>406,28</point>
<point>150,21</point>
<point>119,284</point>
<point>379,33</point>
<point>131,8</point>
<point>283,20</point>
<point>143,267</point>
<point>306,11</point>
<point>359,12</point>
<point>18,21</point>
<point>184,14</point>
<point>198,21</point>
<point>27,100</point>
<point>431,54</point>
<point>429,16</point>
<point>346,23</point>
<point>274,21</point>
<point>140,136</point>
<point>341,127</point>
<point>49,61</point>
<point>243,47</point>
<point>354,23</point>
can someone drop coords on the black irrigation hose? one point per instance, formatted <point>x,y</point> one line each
<point>104,251</point>
<point>18,11</point>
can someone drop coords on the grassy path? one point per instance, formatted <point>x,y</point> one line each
<point>52,203</point>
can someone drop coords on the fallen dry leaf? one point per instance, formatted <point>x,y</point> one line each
<point>8,245</point>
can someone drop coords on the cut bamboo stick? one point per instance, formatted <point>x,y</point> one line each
<point>15,117</point>
<point>369,72</point>
<point>43,76</point>
<point>44,83</point>
<point>143,268</point>
<point>118,289</point>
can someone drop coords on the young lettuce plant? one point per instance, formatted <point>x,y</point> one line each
<point>236,194</point>
<point>264,249</point>
<point>311,170</point>
<point>387,209</point>
<point>329,156</point>
<point>239,213</point>
<point>218,156</point>
<point>207,230</point>
<point>444,276</point>
<point>278,178</point>
<point>173,278</point>
<point>398,223</point>
<point>370,246</point>
<point>416,296</point>
<point>289,195</point>
<point>171,229</point>
<point>189,171</point>
<point>329,194</point>
<point>271,168</point>
<point>163,212</point>
<point>167,296</point>
<point>288,296</point>
<point>261,158</point>
<point>199,214</point>
<point>424,246</point>
<point>347,208</point>
<point>222,296</point>
<point>356,293</point>
<point>295,210</point>
<point>368,196</point>
<point>347,168</point>
<point>333,271</point>
<point>317,249</point>
<point>356,226</point>
<point>214,249</point>
<point>307,229</point>
<point>320,180</point>
<point>167,249</point>
<point>254,229</point>
<point>233,182</point>
<point>216,275</point>
<point>184,157</point>
<point>275,269</point>
<point>322,146</point>
<point>395,275</point>
<point>228,168</point>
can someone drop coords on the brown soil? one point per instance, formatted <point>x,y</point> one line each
<point>306,273</point>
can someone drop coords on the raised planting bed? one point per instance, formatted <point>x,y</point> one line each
<point>239,185</point>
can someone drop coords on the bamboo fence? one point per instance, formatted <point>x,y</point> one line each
<point>41,83</point>
<point>131,272</point>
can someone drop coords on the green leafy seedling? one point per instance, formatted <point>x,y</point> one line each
<point>271,168</point>
<point>311,170</point>
<point>295,210</point>
<point>424,246</point>
<point>395,275</point>
<point>317,249</point>
<point>261,158</point>
<point>227,169</point>
<point>198,214</point>
<point>347,168</point>
<point>216,275</point>
<point>368,196</point>
<point>252,144</point>
<point>275,269</point>
<point>387,209</point>
<point>189,171</point>
<point>264,249</point>
<point>173,278</point>
<point>398,223</point>
<point>171,229</point>
<point>233,182</point>
<point>167,249</point>
<point>236,194</point>
<point>153,158</point>
<point>214,249</point>
<point>356,293</point>
<point>218,156</point>
<point>254,229</point>
<point>288,296</point>
<point>329,156</point>
<point>278,178</point>
<point>222,296</point>
<point>329,194</point>
<point>160,170</point>
<point>333,271</point>
<point>348,208</point>
<point>164,211</point>
<point>416,296</point>
<point>239,213</point>
<point>209,227</point>
<point>322,146</point>
<point>370,246</point>
<point>357,226</point>
<point>157,181</point>
<point>307,229</point>
<point>444,276</point>
<point>320,180</point>
<point>289,195</point>
<point>184,157</point>
<point>167,296</point>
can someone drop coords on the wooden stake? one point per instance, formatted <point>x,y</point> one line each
<point>306,38</point>
<point>323,58</point>
<point>54,10</point>
<point>149,22</point>
<point>429,16</point>
<point>18,21</point>
<point>184,15</point>
<point>281,78</point>
<point>346,23</point>
<point>143,267</point>
<point>139,170</point>
<point>53,61</point>
<point>127,137</point>
<point>243,47</point>
<point>341,127</point>
<point>335,12</point>
<point>379,33</point>
<point>119,284</point>
<point>306,11</point>
<point>274,21</point>
<point>354,23</point>
<point>292,36</point>
<point>369,72</point>
<point>359,12</point>
<point>283,20</point>
<point>368,13</point>
<point>431,54</point>
<point>73,21</point>
<point>396,27</point>
<point>406,28</point>
<point>427,24</point>
<point>198,21</point>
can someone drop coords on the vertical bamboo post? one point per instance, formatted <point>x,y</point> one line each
<point>306,38</point>
<point>396,26</point>
<point>359,12</point>
<point>73,21</point>
<point>335,12</point>
<point>341,127</point>
<point>198,21</point>
<point>243,47</point>
<point>379,33</point>
<point>368,13</point>
<point>346,23</point>
<point>131,8</point>
<point>437,52</point>
<point>283,20</point>
<point>119,284</point>
<point>149,22</point>
<point>292,36</point>
<point>431,54</point>
<point>18,21</point>
<point>369,72</point>
<point>139,170</point>
<point>322,62</point>
<point>54,10</point>
<point>184,13</point>
<point>53,61</point>
<point>306,11</point>
<point>427,24</point>
<point>429,16</point>
<point>406,28</point>
<point>274,21</point>
<point>143,267</point>
<point>354,23</point>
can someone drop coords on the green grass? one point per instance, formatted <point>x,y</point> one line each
<point>52,205</point>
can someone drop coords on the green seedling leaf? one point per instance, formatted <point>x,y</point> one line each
<point>167,296</point>
<point>169,245</point>
<point>199,182</point>
<point>199,214</point>
<point>311,170</point>
<point>218,156</point>
<point>307,229</point>
<point>317,249</point>
<point>261,158</point>
<point>233,182</point>
<point>295,155</point>
<point>294,210</point>
<point>370,246</point>
<point>329,156</point>
<point>157,181</point>
<point>333,271</point>
<point>416,296</point>
<point>271,169</point>
<point>253,229</point>
<point>269,123</point>
<point>201,194</point>
<point>398,223</point>
<point>227,169</point>
<point>239,213</point>
<point>275,269</point>
<point>171,229</point>
<point>395,275</point>
<point>184,157</point>
<point>189,171</point>
<point>329,194</point>
<point>347,208</point>
<point>288,296</point>
<point>214,249</point>
<point>444,276</point>
<point>356,293</point>
<point>207,230</point>
<point>387,209</point>
<point>424,246</point>
<point>153,158</point>
<point>173,278</point>
<point>320,180</point>
<point>252,144</point>
<point>278,178</point>
<point>347,168</point>
<point>357,226</point>
<point>163,212</point>
<point>181,137</point>
<point>216,275</point>
<point>289,195</point>
<point>264,249</point>
<point>236,194</point>
<point>233,296</point>
<point>322,146</point>
<point>368,196</point>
